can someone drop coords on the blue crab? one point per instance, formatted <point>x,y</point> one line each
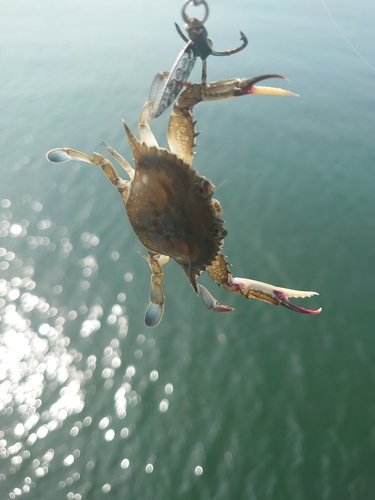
<point>171,206</point>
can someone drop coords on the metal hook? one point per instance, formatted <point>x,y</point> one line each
<point>198,33</point>
<point>192,20</point>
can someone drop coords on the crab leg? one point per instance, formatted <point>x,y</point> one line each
<point>120,159</point>
<point>210,302</point>
<point>145,132</point>
<point>62,155</point>
<point>252,289</point>
<point>155,309</point>
<point>237,87</point>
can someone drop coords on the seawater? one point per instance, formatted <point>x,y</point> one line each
<point>259,404</point>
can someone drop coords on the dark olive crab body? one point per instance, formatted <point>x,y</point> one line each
<point>171,211</point>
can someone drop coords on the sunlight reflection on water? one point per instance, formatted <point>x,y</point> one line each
<point>33,366</point>
<point>44,381</point>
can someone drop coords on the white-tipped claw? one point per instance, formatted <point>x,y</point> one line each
<point>272,91</point>
<point>273,294</point>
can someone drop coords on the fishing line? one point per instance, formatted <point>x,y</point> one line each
<point>345,38</point>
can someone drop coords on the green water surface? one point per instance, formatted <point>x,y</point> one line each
<point>258,404</point>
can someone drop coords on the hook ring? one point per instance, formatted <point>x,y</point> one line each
<point>191,20</point>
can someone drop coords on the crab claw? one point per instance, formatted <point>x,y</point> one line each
<point>247,86</point>
<point>276,295</point>
<point>210,302</point>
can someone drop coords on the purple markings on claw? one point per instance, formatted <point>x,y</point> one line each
<point>286,302</point>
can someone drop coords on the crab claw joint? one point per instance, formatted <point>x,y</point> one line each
<point>278,296</point>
